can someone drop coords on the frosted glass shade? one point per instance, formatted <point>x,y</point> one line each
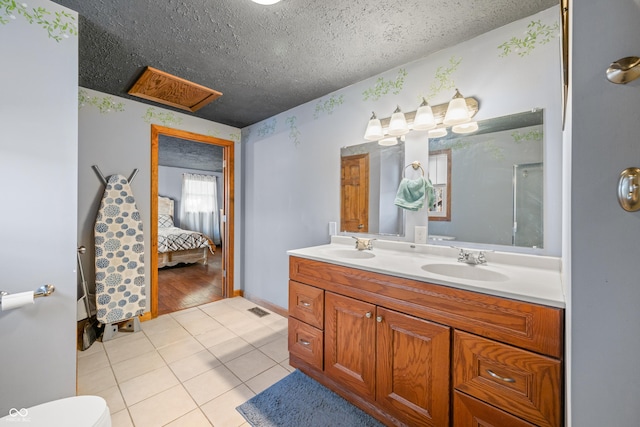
<point>374,130</point>
<point>457,111</point>
<point>437,133</point>
<point>424,119</point>
<point>266,2</point>
<point>463,128</point>
<point>398,124</point>
<point>388,141</point>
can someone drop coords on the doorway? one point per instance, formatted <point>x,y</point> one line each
<point>226,211</point>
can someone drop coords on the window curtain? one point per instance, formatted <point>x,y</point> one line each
<point>199,205</point>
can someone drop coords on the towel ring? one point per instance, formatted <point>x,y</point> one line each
<point>415,165</point>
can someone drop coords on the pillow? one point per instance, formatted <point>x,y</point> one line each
<point>165,220</point>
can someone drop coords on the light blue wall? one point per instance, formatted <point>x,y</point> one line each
<point>605,290</point>
<point>291,189</point>
<point>38,158</point>
<point>118,140</point>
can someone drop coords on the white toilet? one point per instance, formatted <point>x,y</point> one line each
<point>77,411</point>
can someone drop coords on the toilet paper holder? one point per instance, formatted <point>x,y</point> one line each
<point>42,291</point>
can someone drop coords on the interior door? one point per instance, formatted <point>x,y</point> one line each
<point>354,191</point>
<point>38,218</point>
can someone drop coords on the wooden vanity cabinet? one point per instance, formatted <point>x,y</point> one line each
<point>398,361</point>
<point>412,353</point>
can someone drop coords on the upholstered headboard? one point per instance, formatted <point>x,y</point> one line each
<point>165,206</point>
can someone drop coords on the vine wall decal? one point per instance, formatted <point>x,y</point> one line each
<point>60,27</point>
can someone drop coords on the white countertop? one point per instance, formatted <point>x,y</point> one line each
<point>529,278</point>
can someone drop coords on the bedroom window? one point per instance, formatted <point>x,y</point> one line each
<point>199,205</point>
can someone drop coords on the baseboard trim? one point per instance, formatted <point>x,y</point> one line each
<point>266,304</point>
<point>238,293</point>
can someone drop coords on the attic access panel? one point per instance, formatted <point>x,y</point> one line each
<point>167,89</point>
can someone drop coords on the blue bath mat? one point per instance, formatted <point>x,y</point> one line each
<point>297,400</point>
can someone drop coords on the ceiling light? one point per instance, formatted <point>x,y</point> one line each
<point>374,129</point>
<point>457,111</point>
<point>266,2</point>
<point>438,133</point>
<point>463,128</point>
<point>424,119</point>
<point>398,124</point>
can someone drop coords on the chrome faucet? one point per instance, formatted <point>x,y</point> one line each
<point>469,257</point>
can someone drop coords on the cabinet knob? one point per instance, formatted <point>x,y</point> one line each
<point>379,319</point>
<point>498,377</point>
<point>368,315</point>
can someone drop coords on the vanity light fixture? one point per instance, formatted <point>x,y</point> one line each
<point>266,2</point>
<point>392,140</point>
<point>424,119</point>
<point>434,119</point>
<point>398,124</point>
<point>438,133</point>
<point>464,128</point>
<point>457,111</point>
<point>374,129</point>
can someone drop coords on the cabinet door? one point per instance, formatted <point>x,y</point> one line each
<point>413,368</point>
<point>349,352</point>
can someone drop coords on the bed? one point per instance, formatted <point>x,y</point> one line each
<point>177,245</point>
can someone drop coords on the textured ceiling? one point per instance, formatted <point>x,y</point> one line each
<point>182,153</point>
<point>268,59</point>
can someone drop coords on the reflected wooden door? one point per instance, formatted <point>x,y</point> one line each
<point>354,193</point>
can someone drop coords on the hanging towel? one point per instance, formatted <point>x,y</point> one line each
<point>412,193</point>
<point>120,282</point>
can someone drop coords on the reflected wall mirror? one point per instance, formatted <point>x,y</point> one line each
<point>369,177</point>
<point>495,182</point>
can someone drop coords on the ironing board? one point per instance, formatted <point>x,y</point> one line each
<point>119,243</point>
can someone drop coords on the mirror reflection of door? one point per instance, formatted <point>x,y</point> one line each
<point>440,177</point>
<point>354,192</point>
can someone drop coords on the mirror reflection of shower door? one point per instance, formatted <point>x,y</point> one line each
<point>527,205</point>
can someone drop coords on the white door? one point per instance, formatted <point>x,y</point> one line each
<point>38,205</point>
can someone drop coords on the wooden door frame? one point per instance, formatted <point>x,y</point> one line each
<point>228,206</point>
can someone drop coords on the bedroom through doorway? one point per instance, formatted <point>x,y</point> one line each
<point>191,218</point>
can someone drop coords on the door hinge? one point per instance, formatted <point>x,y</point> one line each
<point>224,164</point>
<point>224,218</point>
<point>224,273</point>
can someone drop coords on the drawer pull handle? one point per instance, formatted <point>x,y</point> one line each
<point>368,315</point>
<point>306,304</point>
<point>305,342</point>
<point>496,376</point>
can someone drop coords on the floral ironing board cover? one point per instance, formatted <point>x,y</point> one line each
<point>119,242</point>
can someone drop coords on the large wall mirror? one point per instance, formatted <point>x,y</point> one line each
<point>494,180</point>
<point>369,177</point>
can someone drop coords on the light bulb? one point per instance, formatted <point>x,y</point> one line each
<point>424,119</point>
<point>457,111</point>
<point>266,2</point>
<point>438,133</point>
<point>465,127</point>
<point>398,124</point>
<point>374,129</point>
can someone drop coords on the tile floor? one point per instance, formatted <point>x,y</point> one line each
<point>188,368</point>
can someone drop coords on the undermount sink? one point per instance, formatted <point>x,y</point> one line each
<point>466,271</point>
<point>350,253</point>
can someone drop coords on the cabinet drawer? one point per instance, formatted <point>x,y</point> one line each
<point>306,342</point>
<point>525,384</point>
<point>470,412</point>
<point>306,303</point>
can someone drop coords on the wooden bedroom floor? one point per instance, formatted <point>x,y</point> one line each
<point>190,285</point>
